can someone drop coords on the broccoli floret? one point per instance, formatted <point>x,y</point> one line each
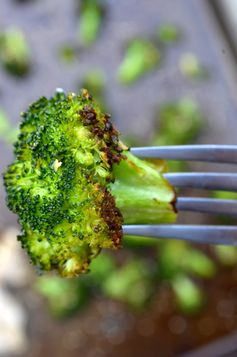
<point>73,183</point>
<point>64,296</point>
<point>191,67</point>
<point>141,57</point>
<point>8,134</point>
<point>168,33</point>
<point>189,296</point>
<point>15,53</point>
<point>91,18</point>
<point>130,284</point>
<point>95,82</point>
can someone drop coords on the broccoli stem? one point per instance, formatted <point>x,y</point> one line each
<point>141,192</point>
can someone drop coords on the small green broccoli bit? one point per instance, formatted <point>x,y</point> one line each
<point>64,296</point>
<point>226,255</point>
<point>90,21</point>
<point>4,123</point>
<point>68,53</point>
<point>130,284</point>
<point>8,134</point>
<point>185,259</point>
<point>94,81</point>
<point>189,297</point>
<point>225,195</point>
<point>179,122</point>
<point>141,57</point>
<point>168,33</point>
<point>101,268</point>
<point>178,262</point>
<point>14,52</point>
<point>191,67</point>
<point>73,183</point>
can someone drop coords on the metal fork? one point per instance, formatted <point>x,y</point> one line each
<point>211,234</point>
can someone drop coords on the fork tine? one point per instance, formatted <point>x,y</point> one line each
<point>225,235</point>
<point>207,205</point>
<point>210,153</point>
<point>203,180</point>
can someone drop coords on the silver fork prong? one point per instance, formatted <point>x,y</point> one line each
<point>203,180</point>
<point>210,153</point>
<point>225,235</point>
<point>207,205</point>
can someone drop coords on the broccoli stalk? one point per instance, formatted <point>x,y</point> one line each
<point>141,193</point>
<point>73,183</point>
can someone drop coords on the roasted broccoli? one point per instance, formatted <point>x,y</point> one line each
<point>95,82</point>
<point>191,67</point>
<point>92,14</point>
<point>15,54</point>
<point>168,33</point>
<point>8,134</point>
<point>73,183</point>
<point>142,56</point>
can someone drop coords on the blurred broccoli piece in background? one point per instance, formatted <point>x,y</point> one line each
<point>196,262</point>
<point>11,135</point>
<point>189,297</point>
<point>177,263</point>
<point>227,255</point>
<point>8,134</point>
<point>178,256</point>
<point>67,53</point>
<point>94,81</point>
<point>64,296</point>
<point>141,57</point>
<point>91,17</point>
<point>4,124</point>
<point>168,33</point>
<point>15,54</point>
<point>191,67</point>
<point>101,267</point>
<point>225,195</point>
<point>130,284</point>
<point>139,242</point>
<point>179,123</point>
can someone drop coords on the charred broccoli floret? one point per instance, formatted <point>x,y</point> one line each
<point>73,183</point>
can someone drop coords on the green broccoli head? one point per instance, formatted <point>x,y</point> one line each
<point>70,189</point>
<point>57,183</point>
